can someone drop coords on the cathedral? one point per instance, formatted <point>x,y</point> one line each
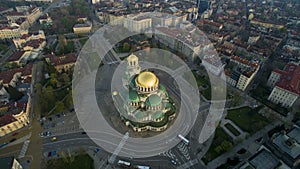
<point>148,105</point>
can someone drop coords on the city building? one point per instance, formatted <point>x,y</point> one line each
<point>262,159</point>
<point>137,23</point>
<point>147,106</point>
<point>266,24</point>
<point>13,76</point>
<point>288,146</point>
<point>45,20</point>
<point>83,28</point>
<point>285,84</point>
<point>9,32</point>
<point>16,118</point>
<point>167,20</point>
<point>49,1</point>
<point>95,1</point>
<point>182,40</point>
<point>33,14</point>
<point>24,40</point>
<point>17,57</point>
<point>240,72</point>
<point>62,62</point>
<point>213,64</point>
<point>10,163</point>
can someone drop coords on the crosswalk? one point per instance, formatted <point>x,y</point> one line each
<point>24,149</point>
<point>170,155</point>
<point>184,150</point>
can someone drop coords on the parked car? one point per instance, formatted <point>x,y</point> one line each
<point>48,133</point>
<point>12,140</point>
<point>53,139</point>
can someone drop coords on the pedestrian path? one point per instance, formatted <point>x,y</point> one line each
<point>189,164</point>
<point>24,149</point>
<point>242,134</point>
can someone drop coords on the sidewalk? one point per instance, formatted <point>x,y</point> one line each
<point>245,144</point>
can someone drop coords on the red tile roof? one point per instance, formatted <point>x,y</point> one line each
<point>8,75</point>
<point>34,43</point>
<point>6,119</point>
<point>16,56</point>
<point>245,61</point>
<point>27,80</point>
<point>9,27</point>
<point>14,13</point>
<point>215,24</point>
<point>290,80</point>
<point>63,59</point>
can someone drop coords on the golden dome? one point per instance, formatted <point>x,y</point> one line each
<point>147,79</point>
<point>132,57</point>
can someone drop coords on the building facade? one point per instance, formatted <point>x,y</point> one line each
<point>285,84</point>
<point>10,163</point>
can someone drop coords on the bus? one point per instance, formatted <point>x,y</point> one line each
<point>124,163</point>
<point>142,167</point>
<point>186,141</point>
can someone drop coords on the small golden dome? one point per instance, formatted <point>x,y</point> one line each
<point>132,57</point>
<point>147,79</point>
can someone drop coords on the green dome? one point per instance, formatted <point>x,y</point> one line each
<point>133,96</point>
<point>153,100</point>
<point>162,88</point>
<point>157,115</point>
<point>140,114</point>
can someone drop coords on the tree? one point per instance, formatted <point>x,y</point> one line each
<point>65,78</point>
<point>13,93</point>
<point>126,47</point>
<point>60,106</point>
<point>155,45</point>
<point>218,149</point>
<point>226,145</point>
<point>69,100</point>
<point>38,87</point>
<point>53,80</point>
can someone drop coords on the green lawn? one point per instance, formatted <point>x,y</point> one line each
<point>204,82</point>
<point>248,119</point>
<point>219,138</point>
<point>233,130</point>
<point>80,162</point>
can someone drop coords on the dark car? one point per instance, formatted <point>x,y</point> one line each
<point>12,140</point>
<point>83,132</point>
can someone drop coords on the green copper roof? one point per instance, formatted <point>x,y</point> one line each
<point>162,88</point>
<point>133,96</point>
<point>157,115</point>
<point>140,114</point>
<point>153,100</point>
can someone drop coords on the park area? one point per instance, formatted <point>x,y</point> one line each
<point>203,82</point>
<point>77,162</point>
<point>221,143</point>
<point>248,119</point>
